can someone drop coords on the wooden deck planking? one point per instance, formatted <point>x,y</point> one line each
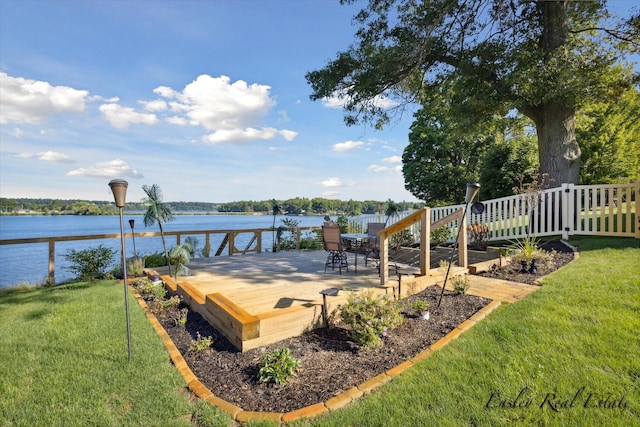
<point>258,299</point>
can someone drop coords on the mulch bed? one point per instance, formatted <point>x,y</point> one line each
<point>331,362</point>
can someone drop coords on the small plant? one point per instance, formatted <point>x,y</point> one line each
<point>444,265</point>
<point>135,266</point>
<point>90,264</point>
<point>277,366</point>
<point>479,235</point>
<point>422,308</point>
<point>370,317</point>
<point>180,256</point>
<point>168,304</point>
<point>150,290</point>
<point>527,257</point>
<point>440,235</point>
<point>460,284</point>
<point>201,344</point>
<point>179,316</point>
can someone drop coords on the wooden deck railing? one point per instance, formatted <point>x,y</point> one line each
<point>228,241</point>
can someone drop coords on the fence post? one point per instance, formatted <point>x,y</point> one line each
<point>568,210</point>
<point>635,209</point>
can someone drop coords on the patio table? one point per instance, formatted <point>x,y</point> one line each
<point>355,241</point>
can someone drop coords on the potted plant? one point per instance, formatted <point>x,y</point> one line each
<point>422,308</point>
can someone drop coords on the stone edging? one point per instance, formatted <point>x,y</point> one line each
<point>337,402</point>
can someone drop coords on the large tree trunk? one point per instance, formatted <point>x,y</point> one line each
<point>558,150</point>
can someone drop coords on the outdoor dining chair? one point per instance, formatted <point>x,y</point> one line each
<point>372,247</point>
<point>333,244</point>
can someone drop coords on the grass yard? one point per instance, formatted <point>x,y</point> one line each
<point>63,354</point>
<point>569,354</point>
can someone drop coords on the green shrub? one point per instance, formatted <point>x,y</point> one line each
<point>370,317</point>
<point>526,255</point>
<point>155,260</point>
<point>90,264</point>
<point>277,366</point>
<point>460,284</point>
<point>440,235</point>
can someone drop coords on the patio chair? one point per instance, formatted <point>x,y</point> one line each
<point>333,244</point>
<point>372,247</point>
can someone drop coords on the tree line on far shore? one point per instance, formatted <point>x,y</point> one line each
<point>295,206</point>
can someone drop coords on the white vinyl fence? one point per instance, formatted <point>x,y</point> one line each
<point>605,210</point>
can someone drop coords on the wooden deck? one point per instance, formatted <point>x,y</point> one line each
<point>259,299</point>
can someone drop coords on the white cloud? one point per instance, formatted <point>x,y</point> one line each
<point>378,168</point>
<point>108,169</point>
<point>331,182</point>
<point>155,105</point>
<point>347,145</point>
<point>165,92</point>
<point>52,156</point>
<point>240,135</point>
<point>216,103</point>
<point>289,135</point>
<point>175,120</point>
<point>121,117</point>
<point>17,133</point>
<point>31,101</point>
<point>231,111</point>
<point>392,159</point>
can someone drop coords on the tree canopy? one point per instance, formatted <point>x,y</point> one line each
<point>544,59</point>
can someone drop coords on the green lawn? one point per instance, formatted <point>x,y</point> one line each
<point>63,362</point>
<point>571,351</point>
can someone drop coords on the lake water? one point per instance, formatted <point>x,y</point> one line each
<point>28,263</point>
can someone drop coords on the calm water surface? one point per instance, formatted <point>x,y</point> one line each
<point>29,263</point>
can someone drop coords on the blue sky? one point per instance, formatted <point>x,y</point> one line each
<point>207,99</point>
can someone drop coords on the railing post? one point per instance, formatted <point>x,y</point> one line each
<point>232,242</point>
<point>52,262</point>
<point>207,244</point>
<point>425,242</point>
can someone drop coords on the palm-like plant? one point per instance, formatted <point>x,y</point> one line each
<point>391,210</point>
<point>157,212</point>
<point>181,255</point>
<point>275,207</point>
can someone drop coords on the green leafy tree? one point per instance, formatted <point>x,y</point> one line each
<point>543,58</point>
<point>157,212</point>
<point>609,133</point>
<point>441,157</point>
<point>504,165</point>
